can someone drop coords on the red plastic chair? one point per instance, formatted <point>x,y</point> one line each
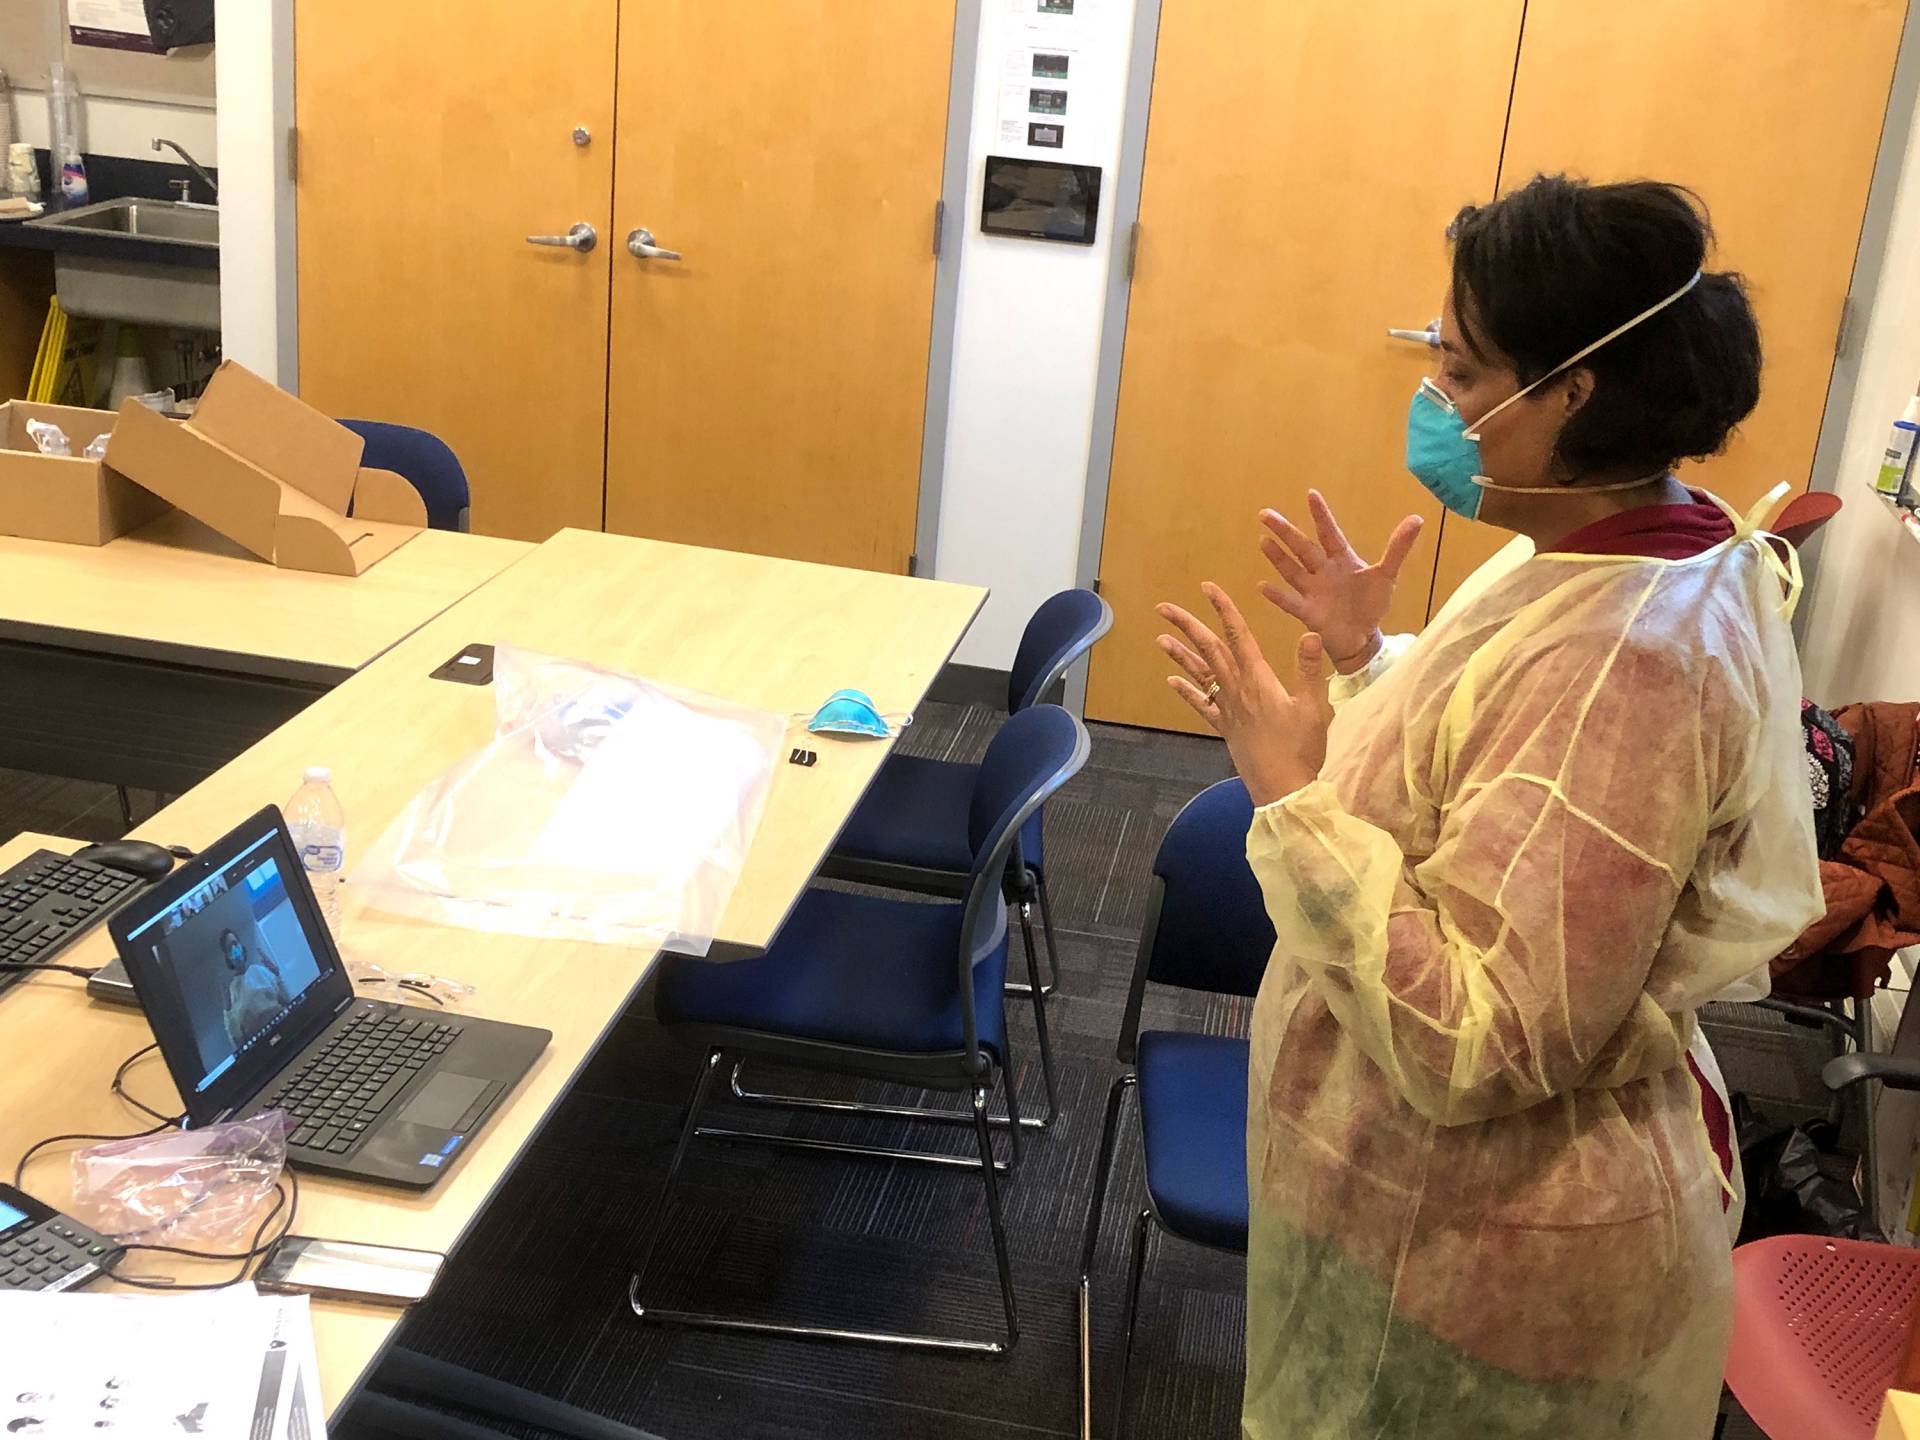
<point>1819,1332</point>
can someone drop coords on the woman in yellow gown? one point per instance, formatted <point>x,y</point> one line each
<point>1504,877</point>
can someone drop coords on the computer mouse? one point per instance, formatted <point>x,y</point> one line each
<point>131,857</point>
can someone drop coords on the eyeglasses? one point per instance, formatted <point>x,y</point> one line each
<point>372,979</point>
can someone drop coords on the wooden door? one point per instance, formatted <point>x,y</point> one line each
<point>435,136</point>
<point>766,392</point>
<point>1303,160</point>
<point>1771,111</point>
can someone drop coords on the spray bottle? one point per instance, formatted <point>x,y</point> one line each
<point>1900,449</point>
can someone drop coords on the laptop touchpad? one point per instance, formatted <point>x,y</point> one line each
<point>444,1100</point>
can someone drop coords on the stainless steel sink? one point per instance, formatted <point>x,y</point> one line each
<point>134,287</point>
<point>167,220</point>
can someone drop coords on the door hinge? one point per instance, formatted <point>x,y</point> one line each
<point>1844,332</point>
<point>913,563</point>
<point>1096,585</point>
<point>939,225</point>
<point>293,155</point>
<point>1133,250</point>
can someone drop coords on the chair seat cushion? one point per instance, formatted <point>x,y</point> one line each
<point>915,813</point>
<point>846,970</point>
<point>1193,1116</point>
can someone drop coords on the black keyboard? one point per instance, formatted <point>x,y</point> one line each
<point>342,1088</point>
<point>48,901</point>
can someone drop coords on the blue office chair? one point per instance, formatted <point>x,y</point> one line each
<point>910,833</point>
<point>868,986</point>
<point>1206,929</point>
<point>425,461</point>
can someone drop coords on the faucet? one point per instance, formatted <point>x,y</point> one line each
<point>194,165</point>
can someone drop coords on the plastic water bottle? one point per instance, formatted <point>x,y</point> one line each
<point>319,828</point>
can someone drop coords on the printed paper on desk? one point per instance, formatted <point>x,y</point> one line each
<point>606,808</point>
<point>225,1365</point>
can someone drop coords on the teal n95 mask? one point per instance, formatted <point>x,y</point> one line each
<point>852,712</point>
<point>1443,451</point>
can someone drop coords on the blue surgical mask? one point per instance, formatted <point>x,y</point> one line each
<point>1443,451</point>
<point>852,712</point>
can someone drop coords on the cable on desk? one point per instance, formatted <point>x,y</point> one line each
<point>288,1200</point>
<point>119,1086</point>
<point>34,1149</point>
<point>85,972</point>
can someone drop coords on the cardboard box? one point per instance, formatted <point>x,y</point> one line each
<point>74,500</point>
<point>270,473</point>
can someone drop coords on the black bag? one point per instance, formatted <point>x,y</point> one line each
<point>1788,1193</point>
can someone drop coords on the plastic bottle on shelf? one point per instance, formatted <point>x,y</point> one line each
<point>319,828</point>
<point>63,110</point>
<point>1900,449</point>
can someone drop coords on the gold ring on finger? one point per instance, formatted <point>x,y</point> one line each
<point>1213,690</point>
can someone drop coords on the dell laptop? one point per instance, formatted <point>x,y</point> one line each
<point>253,1011</point>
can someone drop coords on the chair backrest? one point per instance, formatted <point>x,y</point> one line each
<point>1033,755</point>
<point>1819,1332</point>
<point>1060,632</point>
<point>1804,515</point>
<point>1206,926</point>
<point>424,461</point>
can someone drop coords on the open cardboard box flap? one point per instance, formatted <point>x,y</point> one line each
<point>270,473</point>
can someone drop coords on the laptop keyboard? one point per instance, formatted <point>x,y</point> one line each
<point>334,1098</point>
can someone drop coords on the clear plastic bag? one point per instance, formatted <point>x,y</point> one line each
<point>606,808</point>
<point>204,1189</point>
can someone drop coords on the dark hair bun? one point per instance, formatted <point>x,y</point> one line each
<point>1542,273</point>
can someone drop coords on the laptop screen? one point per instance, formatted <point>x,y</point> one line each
<point>232,962</point>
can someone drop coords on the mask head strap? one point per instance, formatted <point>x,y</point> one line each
<point>1579,355</point>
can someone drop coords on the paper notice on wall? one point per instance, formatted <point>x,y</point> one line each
<point>113,24</point>
<point>1034,90</point>
<point>1052,16</point>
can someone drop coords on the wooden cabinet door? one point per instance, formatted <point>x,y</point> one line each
<point>1303,160</point>
<point>767,390</point>
<point>1770,110</point>
<point>435,136</point>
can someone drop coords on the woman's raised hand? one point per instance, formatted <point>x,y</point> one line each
<point>1327,587</point>
<point>1277,737</point>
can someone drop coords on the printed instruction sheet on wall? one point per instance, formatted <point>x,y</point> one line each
<point>1036,88</point>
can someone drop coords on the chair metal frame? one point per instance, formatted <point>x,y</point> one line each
<point>1149,1217</point>
<point>970,1070</point>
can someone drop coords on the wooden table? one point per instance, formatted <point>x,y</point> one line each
<point>769,633</point>
<point>154,659</point>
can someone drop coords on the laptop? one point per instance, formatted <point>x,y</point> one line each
<point>253,1011</point>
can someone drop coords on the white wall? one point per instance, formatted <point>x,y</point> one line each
<point>123,127</point>
<point>1026,348</point>
<point>1861,634</point>
<point>253,73</point>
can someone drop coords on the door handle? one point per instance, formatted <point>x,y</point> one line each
<point>640,244</point>
<point>1429,336</point>
<point>581,237</point>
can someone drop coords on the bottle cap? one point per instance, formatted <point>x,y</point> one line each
<point>319,775</point>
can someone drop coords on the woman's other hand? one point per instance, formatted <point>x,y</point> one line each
<point>1327,587</point>
<point>1277,737</point>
